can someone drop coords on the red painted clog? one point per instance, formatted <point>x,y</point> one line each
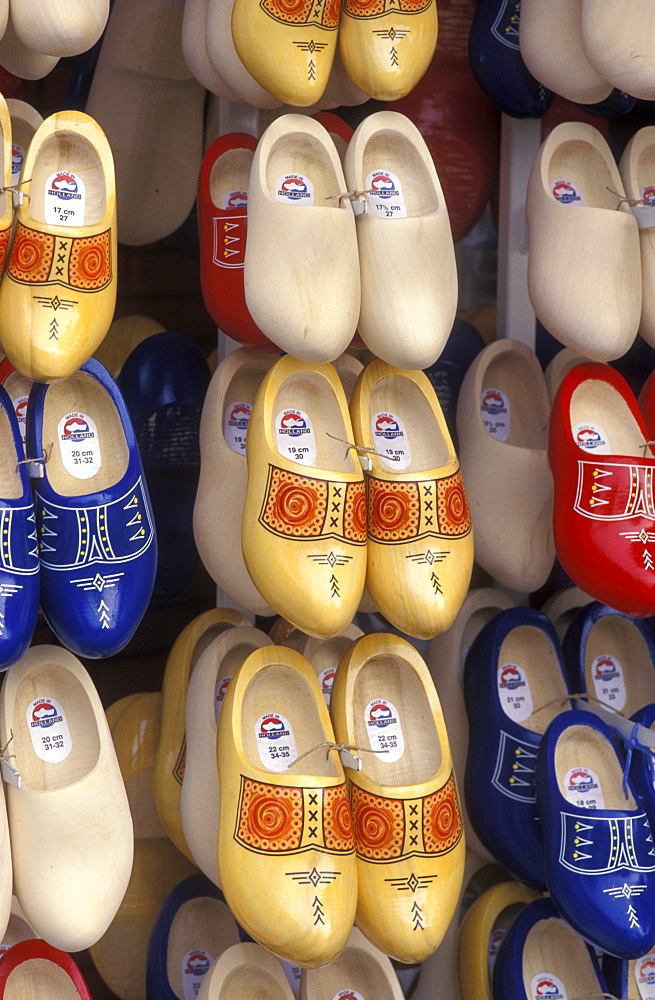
<point>604,471</point>
<point>35,969</point>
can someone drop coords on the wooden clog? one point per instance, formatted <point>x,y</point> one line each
<point>222,54</point>
<point>69,823</point>
<point>340,133</point>
<point>7,178</point>
<point>20,61</point>
<point>340,90</point>
<point>636,168</point>
<point>579,223</point>
<point>151,107</point>
<point>34,970</point>
<point>420,543</point>
<point>123,336</point>
<point>360,970</point>
<point>323,654</point>
<point>194,47</point>
<point>24,122</point>
<point>301,237</point>
<point>18,928</point>
<point>285,832</point>
<point>563,606</point>
<point>502,419</point>
<point>404,231</point>
<point>58,292</point>
<point>168,773</point>
<point>386,47</point>
<point>289,51</point>
<point>551,44</point>
<point>199,798</point>
<point>559,367</point>
<point>383,700</point>
<point>348,369</point>
<point>619,44</point>
<point>304,520</point>
<point>58,27</point>
<point>250,970</point>
<point>221,493</point>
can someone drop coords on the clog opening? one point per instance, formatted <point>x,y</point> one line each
<point>555,949</point>
<point>39,979</point>
<point>618,667</point>
<point>386,689</point>
<point>401,398</point>
<point>541,694</point>
<point>645,169</point>
<point>253,982</point>
<point>102,451</point>
<point>311,393</point>
<point>584,749</point>
<point>200,932</point>
<point>473,625</point>
<point>203,641</point>
<point>583,165</point>
<point>229,177</point>
<point>10,484</point>
<point>68,153</point>
<point>307,159</point>
<point>527,404</point>
<point>597,403</point>
<point>53,755</point>
<point>280,692</point>
<point>396,154</point>
<point>356,970</point>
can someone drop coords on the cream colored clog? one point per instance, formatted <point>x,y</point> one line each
<point>18,928</point>
<point>558,368</point>
<point>502,422</point>
<point>286,856</point>
<point>619,44</point>
<point>199,798</point>
<point>304,520</point>
<point>406,252</point>
<point>223,56</point>
<point>301,252</point>
<point>16,58</point>
<point>323,654</point>
<point>25,120</point>
<point>637,168</point>
<point>70,823</point>
<point>194,47</point>
<point>563,606</point>
<point>361,970</point>
<point>59,27</point>
<point>583,238</point>
<point>420,543</point>
<point>221,494</point>
<point>245,970</point>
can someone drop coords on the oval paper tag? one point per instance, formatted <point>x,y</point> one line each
<point>390,440</point>
<point>644,973</point>
<point>385,195</point>
<point>591,437</point>
<point>384,729</point>
<point>275,742</point>
<point>195,966</point>
<point>79,445</point>
<point>609,683</point>
<point>495,413</point>
<point>64,199</point>
<point>219,695</point>
<point>294,435</point>
<point>514,692</point>
<point>545,984</point>
<point>582,788</point>
<point>294,189</point>
<point>235,426</point>
<point>51,738</point>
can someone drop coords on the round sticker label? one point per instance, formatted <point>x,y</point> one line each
<point>195,965</point>
<point>235,426</point>
<point>219,695</point>
<point>385,195</point>
<point>514,692</point>
<point>294,189</point>
<point>48,728</point>
<point>64,199</point>
<point>235,199</point>
<point>495,413</point>
<point>648,194</point>
<point>567,193</point>
<point>348,995</point>
<point>644,973</point>
<point>384,730</point>
<point>326,680</point>
<point>17,159</point>
<point>582,788</point>
<point>79,445</point>
<point>20,408</point>
<point>609,683</point>
<point>390,440</point>
<point>275,742</point>
<point>495,941</point>
<point>293,973</point>
<point>545,984</point>
<point>591,437</point>
<point>294,435</point>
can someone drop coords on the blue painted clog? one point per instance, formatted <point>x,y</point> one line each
<point>634,978</point>
<point>598,844</point>
<point>19,561</point>
<point>447,373</point>
<point>514,684</point>
<point>611,657</point>
<point>193,929</point>
<point>97,546</point>
<point>497,62</point>
<point>542,957</point>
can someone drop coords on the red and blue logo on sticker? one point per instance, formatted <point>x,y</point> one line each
<point>383,186</point>
<point>546,988</point>
<point>380,714</point>
<point>45,714</point>
<point>511,678</point>
<point>272,727</point>
<point>64,186</point>
<point>197,963</point>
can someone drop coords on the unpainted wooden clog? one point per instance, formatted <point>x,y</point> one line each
<point>637,173</point>
<point>194,47</point>
<point>619,44</point>
<point>59,27</point>
<point>360,970</point>
<point>323,654</point>
<point>17,59</point>
<point>24,122</point>
<point>222,55</point>
<point>249,969</point>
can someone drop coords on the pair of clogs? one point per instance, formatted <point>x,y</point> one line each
<point>325,234</point>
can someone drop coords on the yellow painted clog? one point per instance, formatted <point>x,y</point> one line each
<point>286,856</point>
<point>420,542</point>
<point>6,175</point>
<point>405,808</point>
<point>168,773</point>
<point>304,527</point>
<point>58,292</point>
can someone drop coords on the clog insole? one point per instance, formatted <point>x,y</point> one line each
<point>598,403</point>
<point>618,642</point>
<point>354,970</point>
<point>10,485</point>
<point>252,983</point>
<point>82,393</point>
<point>527,396</point>
<point>305,155</point>
<point>312,393</point>
<point>392,679</point>
<point>203,924</point>
<point>583,165</point>
<point>553,947</point>
<point>230,173</point>
<point>77,731</point>
<point>69,153</point>
<point>279,690</point>
<point>587,749</point>
<point>530,649</point>
<point>395,154</point>
<point>39,979</point>
<point>424,439</point>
